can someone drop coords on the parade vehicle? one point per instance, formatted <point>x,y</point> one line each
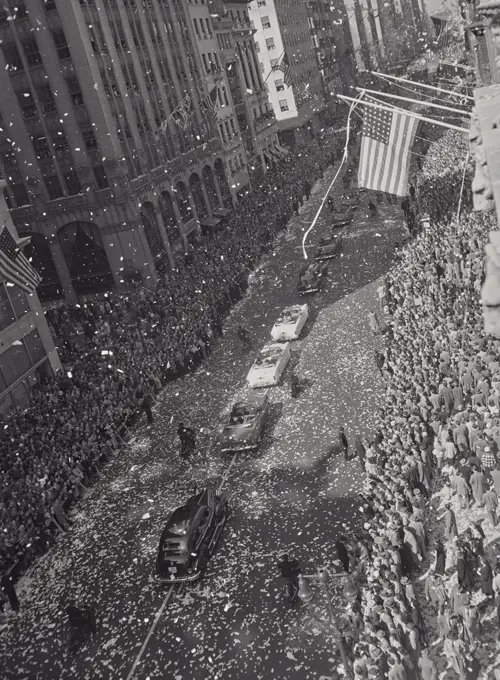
<point>290,323</point>
<point>348,203</point>
<point>269,365</point>
<point>342,218</point>
<point>328,247</point>
<point>312,277</point>
<point>190,537</point>
<point>246,424</point>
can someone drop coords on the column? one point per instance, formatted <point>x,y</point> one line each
<point>204,193</point>
<point>163,232</point>
<point>179,220</point>
<point>217,189</point>
<point>62,269</point>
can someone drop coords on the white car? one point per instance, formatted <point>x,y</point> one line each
<point>269,365</point>
<point>290,323</point>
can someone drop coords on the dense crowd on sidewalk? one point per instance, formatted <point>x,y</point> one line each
<point>433,469</point>
<point>129,345</point>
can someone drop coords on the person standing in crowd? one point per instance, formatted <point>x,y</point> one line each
<point>360,450</point>
<point>8,588</point>
<point>490,500</point>
<point>343,443</point>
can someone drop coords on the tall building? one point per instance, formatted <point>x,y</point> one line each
<point>282,31</point>
<point>213,46</point>
<point>110,159</point>
<point>333,46</point>
<point>27,351</point>
<point>248,92</point>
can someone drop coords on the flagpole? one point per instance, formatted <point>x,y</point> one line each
<point>414,101</point>
<point>429,87</point>
<point>407,113</point>
<point>273,68</point>
<point>465,68</point>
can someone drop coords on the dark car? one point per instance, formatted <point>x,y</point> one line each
<point>312,277</point>
<point>190,537</point>
<point>328,247</point>
<point>348,203</point>
<point>246,423</point>
<point>340,219</point>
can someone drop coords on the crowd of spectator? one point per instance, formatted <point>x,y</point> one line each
<point>433,469</point>
<point>119,350</point>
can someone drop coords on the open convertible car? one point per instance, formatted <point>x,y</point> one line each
<point>269,365</point>
<point>342,218</point>
<point>312,277</point>
<point>328,247</point>
<point>190,537</point>
<point>290,323</point>
<point>246,424</point>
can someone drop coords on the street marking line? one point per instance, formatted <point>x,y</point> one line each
<point>150,633</point>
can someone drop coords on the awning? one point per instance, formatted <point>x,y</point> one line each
<point>222,212</point>
<point>210,222</point>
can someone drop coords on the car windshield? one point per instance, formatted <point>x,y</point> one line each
<point>243,413</point>
<point>179,522</point>
<point>289,315</point>
<point>173,548</point>
<point>268,356</point>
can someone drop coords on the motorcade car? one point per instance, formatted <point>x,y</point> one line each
<point>342,218</point>
<point>246,423</point>
<point>269,365</point>
<point>312,277</point>
<point>328,247</point>
<point>190,537</point>
<point>290,323</point>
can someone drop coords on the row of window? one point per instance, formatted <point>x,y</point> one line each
<point>211,62</point>
<point>224,40</point>
<point>202,28</point>
<point>228,129</point>
<point>19,358</point>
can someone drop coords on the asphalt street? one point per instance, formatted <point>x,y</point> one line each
<point>295,495</point>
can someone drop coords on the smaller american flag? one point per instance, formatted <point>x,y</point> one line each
<point>284,65</point>
<point>14,265</point>
<point>209,103</point>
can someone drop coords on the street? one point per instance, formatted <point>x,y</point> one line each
<point>295,494</point>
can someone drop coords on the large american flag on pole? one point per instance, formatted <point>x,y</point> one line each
<point>14,266</point>
<point>384,160</point>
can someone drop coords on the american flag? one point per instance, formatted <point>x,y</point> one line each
<point>284,65</point>
<point>14,266</point>
<point>209,103</point>
<point>386,141</point>
<point>442,30</point>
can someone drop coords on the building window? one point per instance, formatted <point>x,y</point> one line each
<point>54,188</point>
<point>7,316</point>
<point>89,139</point>
<point>18,300</point>
<point>101,177</point>
<point>279,85</point>
<point>270,44</point>
<point>50,5</point>
<point>33,56</point>
<point>47,99</point>
<point>284,105</point>
<point>72,182</point>
<point>41,146</point>
<point>261,3</point>
<point>12,58</point>
<point>61,44</point>
<point>266,22</point>
<point>35,346</point>
<point>20,194</point>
